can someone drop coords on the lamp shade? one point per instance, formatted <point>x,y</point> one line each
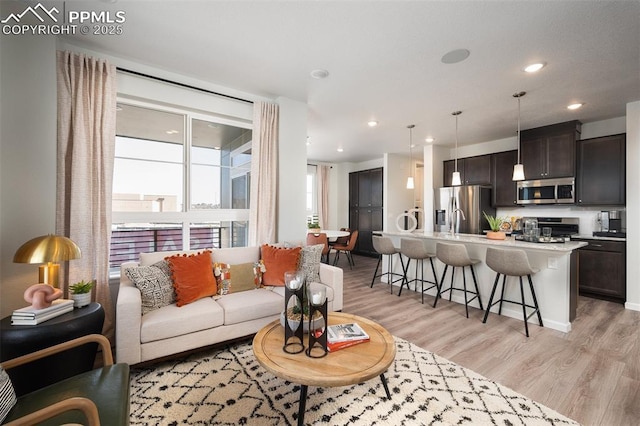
<point>518,172</point>
<point>48,248</point>
<point>410,184</point>
<point>455,179</point>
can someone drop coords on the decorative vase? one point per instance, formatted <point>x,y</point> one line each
<point>496,235</point>
<point>314,230</point>
<point>80,300</point>
<point>318,322</point>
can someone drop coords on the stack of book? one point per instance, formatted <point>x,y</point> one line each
<point>342,336</point>
<point>32,316</point>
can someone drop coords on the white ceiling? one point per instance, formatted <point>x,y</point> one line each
<point>384,60</point>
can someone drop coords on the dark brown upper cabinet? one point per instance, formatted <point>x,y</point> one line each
<point>550,151</point>
<point>601,171</point>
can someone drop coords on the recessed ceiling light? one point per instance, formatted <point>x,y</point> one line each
<point>534,67</point>
<point>372,123</point>
<point>575,106</point>
<point>172,132</point>
<point>340,149</point>
<point>455,56</point>
<point>430,140</point>
<point>319,74</point>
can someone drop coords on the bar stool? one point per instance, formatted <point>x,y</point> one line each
<point>516,264</point>
<point>415,249</point>
<point>384,246</point>
<point>456,255</point>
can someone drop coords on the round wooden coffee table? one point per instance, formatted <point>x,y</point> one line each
<point>352,365</point>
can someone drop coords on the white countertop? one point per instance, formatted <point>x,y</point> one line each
<point>509,242</point>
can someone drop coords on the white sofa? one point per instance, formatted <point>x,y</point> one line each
<point>171,329</point>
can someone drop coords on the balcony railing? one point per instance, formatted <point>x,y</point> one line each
<point>128,243</point>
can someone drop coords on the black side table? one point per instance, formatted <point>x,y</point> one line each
<point>17,340</point>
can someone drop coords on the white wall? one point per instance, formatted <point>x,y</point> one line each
<point>292,171</point>
<point>27,157</point>
<point>633,205</point>
<point>396,197</point>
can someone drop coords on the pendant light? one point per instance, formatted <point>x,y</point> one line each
<point>518,169</point>
<point>410,183</point>
<point>455,179</point>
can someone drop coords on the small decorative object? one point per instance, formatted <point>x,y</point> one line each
<point>81,293</point>
<point>495,224</point>
<point>293,301</point>
<point>317,295</point>
<point>41,295</point>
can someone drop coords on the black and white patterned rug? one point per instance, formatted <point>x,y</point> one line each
<point>229,387</point>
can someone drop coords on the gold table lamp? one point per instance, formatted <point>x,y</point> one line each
<point>48,249</point>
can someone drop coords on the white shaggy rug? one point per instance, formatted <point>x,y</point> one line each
<point>228,387</point>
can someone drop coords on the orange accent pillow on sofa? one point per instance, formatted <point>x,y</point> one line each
<point>277,261</point>
<point>192,277</point>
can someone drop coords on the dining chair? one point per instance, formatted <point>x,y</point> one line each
<point>319,238</point>
<point>346,248</point>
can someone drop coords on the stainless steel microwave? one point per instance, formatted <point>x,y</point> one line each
<point>547,191</point>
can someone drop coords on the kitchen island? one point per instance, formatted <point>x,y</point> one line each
<point>555,284</point>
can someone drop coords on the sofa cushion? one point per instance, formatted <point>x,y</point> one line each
<point>149,258</point>
<point>310,257</point>
<point>155,285</point>
<point>192,277</point>
<point>250,305</point>
<point>237,278</point>
<point>236,255</point>
<point>172,321</point>
<point>277,261</point>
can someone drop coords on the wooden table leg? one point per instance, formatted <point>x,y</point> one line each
<point>386,388</point>
<point>302,404</point>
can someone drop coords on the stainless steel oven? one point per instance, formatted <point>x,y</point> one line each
<point>547,191</point>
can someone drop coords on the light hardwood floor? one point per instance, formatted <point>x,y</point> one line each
<point>591,374</point>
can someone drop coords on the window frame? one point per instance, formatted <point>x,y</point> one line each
<point>187,216</point>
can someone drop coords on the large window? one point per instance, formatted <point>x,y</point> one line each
<point>181,181</point>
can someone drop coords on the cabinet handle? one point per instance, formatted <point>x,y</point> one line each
<point>596,245</point>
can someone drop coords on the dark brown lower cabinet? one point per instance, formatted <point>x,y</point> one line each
<point>602,270</point>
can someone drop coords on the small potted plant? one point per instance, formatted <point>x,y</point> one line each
<point>495,223</point>
<point>313,224</point>
<point>81,293</point>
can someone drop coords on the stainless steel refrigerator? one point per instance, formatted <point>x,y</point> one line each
<point>464,206</point>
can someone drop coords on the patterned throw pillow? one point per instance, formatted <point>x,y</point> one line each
<point>7,395</point>
<point>154,283</point>
<point>277,261</point>
<point>237,278</point>
<point>310,258</point>
<point>192,277</point>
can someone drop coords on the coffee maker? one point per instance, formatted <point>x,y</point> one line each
<point>610,221</point>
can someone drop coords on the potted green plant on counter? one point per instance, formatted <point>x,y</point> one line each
<point>81,293</point>
<point>495,223</point>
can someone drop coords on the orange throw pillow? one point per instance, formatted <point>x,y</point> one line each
<point>192,277</point>
<point>277,261</point>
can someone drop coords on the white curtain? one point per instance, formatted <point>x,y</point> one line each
<point>264,174</point>
<point>323,196</point>
<point>86,147</point>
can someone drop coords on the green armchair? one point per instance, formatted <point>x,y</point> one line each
<point>99,396</point>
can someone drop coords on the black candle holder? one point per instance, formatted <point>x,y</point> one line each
<point>317,336</point>
<point>293,295</point>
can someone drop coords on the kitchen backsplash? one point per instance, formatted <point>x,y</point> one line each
<point>588,217</point>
